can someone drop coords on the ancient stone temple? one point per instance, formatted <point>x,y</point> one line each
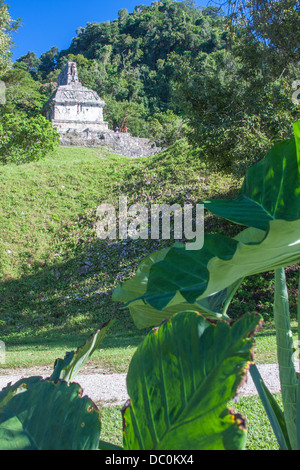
<point>77,113</point>
<point>73,107</point>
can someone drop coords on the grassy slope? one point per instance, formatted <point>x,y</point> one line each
<point>57,277</point>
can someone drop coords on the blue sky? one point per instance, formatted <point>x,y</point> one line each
<point>54,23</point>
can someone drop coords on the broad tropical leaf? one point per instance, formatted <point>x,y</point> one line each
<point>50,416</point>
<point>191,276</point>
<point>67,368</point>
<point>180,381</point>
<point>21,386</point>
<point>145,315</point>
<point>274,412</point>
<point>133,292</point>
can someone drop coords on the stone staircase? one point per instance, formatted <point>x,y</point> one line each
<point>117,142</point>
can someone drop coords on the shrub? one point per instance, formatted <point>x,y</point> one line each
<point>24,140</point>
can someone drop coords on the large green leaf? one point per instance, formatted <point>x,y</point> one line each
<point>37,414</point>
<point>189,276</point>
<point>50,416</point>
<point>132,292</point>
<point>273,410</point>
<point>213,307</point>
<point>21,386</point>
<point>145,315</point>
<point>285,355</point>
<point>271,189</point>
<point>180,381</point>
<point>67,368</point>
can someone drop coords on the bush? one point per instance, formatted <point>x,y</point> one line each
<point>166,128</point>
<point>24,140</point>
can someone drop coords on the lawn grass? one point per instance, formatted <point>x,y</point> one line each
<point>114,356</point>
<point>116,350</point>
<point>111,425</point>
<point>260,435</point>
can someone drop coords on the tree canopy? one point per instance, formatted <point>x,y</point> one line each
<point>6,26</point>
<point>220,77</point>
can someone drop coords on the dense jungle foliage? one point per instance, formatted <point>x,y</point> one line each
<point>220,78</point>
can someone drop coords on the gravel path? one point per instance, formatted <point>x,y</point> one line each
<point>110,389</point>
<point>270,376</point>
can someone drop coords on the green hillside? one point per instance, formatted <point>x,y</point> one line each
<point>47,223</point>
<point>57,277</point>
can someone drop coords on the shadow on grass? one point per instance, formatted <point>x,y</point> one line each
<point>72,299</point>
<point>67,301</point>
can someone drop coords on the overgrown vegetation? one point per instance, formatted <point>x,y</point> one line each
<point>260,434</point>
<point>216,90</point>
<point>54,266</point>
<point>174,70</point>
<point>194,416</point>
<point>187,369</point>
<point>205,280</point>
<point>7,24</point>
<point>25,139</point>
<point>25,135</point>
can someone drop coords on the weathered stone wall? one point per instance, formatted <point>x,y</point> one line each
<point>119,143</point>
<point>78,113</point>
<point>64,126</point>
